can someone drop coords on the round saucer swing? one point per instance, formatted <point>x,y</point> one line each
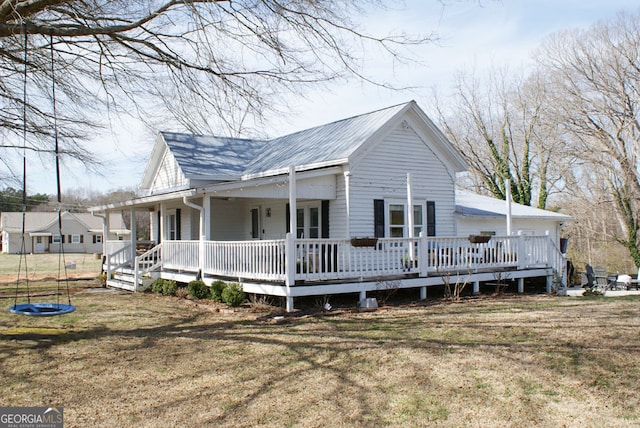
<point>40,309</point>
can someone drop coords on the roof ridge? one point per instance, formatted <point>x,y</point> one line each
<point>343,120</point>
<point>213,136</point>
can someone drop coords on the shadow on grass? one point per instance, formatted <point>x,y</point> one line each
<point>346,349</point>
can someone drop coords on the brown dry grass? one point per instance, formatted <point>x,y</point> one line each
<point>148,361</point>
<point>40,266</point>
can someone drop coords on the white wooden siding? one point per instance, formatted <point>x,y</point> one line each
<point>338,211</point>
<point>169,175</point>
<point>382,174</point>
<point>228,219</point>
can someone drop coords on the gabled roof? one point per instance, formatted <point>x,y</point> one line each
<point>228,159</point>
<point>470,204</point>
<point>330,143</point>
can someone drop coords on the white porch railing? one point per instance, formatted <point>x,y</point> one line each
<point>343,259</point>
<point>263,260</point>
<point>181,255</point>
<point>118,254</point>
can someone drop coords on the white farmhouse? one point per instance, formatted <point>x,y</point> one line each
<point>333,209</point>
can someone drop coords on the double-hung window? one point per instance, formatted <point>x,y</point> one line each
<point>398,224</point>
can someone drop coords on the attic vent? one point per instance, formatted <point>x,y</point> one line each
<point>405,125</point>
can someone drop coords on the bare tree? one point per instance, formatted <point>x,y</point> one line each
<point>595,74</point>
<point>208,62</point>
<point>499,126</point>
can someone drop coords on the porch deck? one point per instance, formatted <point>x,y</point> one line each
<point>301,267</point>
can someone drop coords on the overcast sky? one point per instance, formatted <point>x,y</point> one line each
<point>472,33</point>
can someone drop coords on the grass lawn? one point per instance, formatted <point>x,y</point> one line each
<point>150,361</point>
<point>39,266</point>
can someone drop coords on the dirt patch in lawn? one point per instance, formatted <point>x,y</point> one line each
<point>147,360</point>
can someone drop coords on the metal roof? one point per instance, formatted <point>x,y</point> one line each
<point>472,204</point>
<point>222,158</point>
<point>331,142</point>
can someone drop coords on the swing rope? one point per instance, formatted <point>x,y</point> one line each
<point>61,255</point>
<point>41,309</point>
<point>23,247</point>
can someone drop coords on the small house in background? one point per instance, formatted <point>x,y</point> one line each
<point>346,207</point>
<point>81,232</point>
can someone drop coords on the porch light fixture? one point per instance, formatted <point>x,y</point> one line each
<point>268,212</point>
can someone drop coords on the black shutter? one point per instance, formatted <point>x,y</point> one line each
<point>178,225</point>
<point>288,218</point>
<point>159,228</point>
<point>324,219</point>
<point>431,218</point>
<point>378,218</point>
<point>94,238</point>
<point>82,239</point>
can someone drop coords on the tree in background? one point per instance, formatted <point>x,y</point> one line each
<point>500,127</point>
<point>11,200</point>
<point>595,97</point>
<point>212,64</point>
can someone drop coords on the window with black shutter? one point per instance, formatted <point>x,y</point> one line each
<point>431,218</point>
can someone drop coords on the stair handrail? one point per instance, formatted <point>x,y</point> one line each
<point>147,262</point>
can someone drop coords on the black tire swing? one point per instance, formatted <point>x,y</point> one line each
<point>40,309</point>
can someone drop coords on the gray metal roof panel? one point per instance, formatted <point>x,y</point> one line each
<point>473,204</point>
<point>325,143</point>
<point>201,156</point>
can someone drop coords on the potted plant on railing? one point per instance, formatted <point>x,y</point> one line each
<point>364,242</point>
<point>479,239</point>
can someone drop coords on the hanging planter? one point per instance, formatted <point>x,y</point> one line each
<point>364,242</point>
<point>479,239</point>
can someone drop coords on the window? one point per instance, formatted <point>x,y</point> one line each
<point>300,222</point>
<point>76,239</point>
<point>97,239</point>
<point>171,227</point>
<point>398,221</point>
<point>56,239</point>
<point>314,222</point>
<point>308,220</point>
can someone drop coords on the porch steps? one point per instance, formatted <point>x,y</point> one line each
<point>123,285</point>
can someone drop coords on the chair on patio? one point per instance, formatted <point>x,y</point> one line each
<point>587,277</point>
<point>602,278</point>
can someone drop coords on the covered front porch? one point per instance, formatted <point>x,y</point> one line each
<point>293,267</point>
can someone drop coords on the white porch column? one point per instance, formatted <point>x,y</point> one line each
<point>201,231</point>
<point>106,232</point>
<point>293,217</point>
<point>290,268</point>
<point>134,234</point>
<point>507,186</point>
<point>161,225</point>
<point>410,208</point>
<point>347,196</point>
